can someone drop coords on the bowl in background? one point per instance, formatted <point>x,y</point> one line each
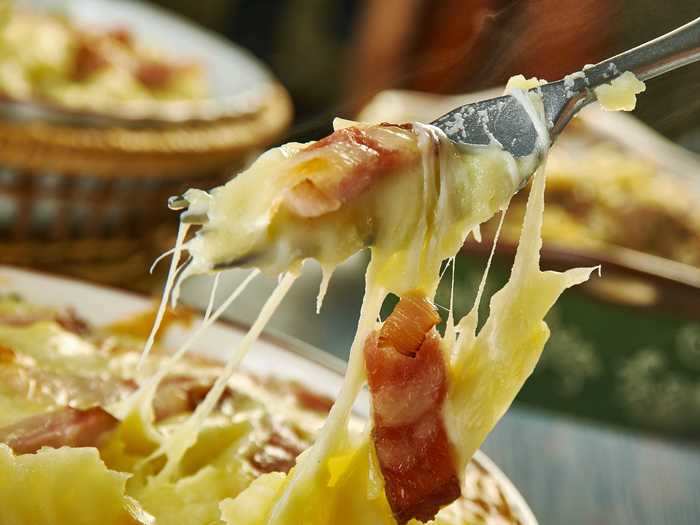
<point>84,192</point>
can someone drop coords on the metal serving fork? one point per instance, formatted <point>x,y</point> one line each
<point>506,120</point>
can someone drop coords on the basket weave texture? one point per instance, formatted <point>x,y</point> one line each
<point>91,202</point>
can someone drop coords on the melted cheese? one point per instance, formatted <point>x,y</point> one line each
<point>182,439</point>
<point>245,225</point>
<point>449,194</point>
<point>621,93</point>
<point>169,283</point>
<point>309,481</point>
<point>418,219</point>
<point>29,491</point>
<point>488,370</point>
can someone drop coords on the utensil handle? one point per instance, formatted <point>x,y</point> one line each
<point>678,48</point>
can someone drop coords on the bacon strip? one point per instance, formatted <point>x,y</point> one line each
<point>405,328</point>
<point>178,395</point>
<point>66,427</point>
<point>88,59</point>
<point>311,400</point>
<point>68,319</point>
<point>408,383</point>
<point>341,166</point>
<point>278,451</point>
<point>154,74</point>
<point>71,427</point>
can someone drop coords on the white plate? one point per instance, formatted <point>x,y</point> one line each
<point>238,82</point>
<point>271,355</point>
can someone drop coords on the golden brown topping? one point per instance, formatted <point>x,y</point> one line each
<point>413,450</point>
<point>154,74</point>
<point>88,59</point>
<point>405,329</point>
<point>66,427</point>
<point>7,355</point>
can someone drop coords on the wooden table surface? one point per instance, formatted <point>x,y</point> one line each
<point>575,473</point>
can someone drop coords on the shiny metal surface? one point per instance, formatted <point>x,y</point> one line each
<point>505,121</point>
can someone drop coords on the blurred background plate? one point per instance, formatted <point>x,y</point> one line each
<point>85,193</point>
<point>238,84</point>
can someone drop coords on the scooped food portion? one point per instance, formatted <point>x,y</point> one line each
<point>411,197</point>
<point>397,189</point>
<point>47,57</point>
<point>61,379</point>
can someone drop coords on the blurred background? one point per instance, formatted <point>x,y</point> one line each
<point>96,132</point>
<point>333,56</point>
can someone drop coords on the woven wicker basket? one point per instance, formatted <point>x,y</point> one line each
<point>91,202</point>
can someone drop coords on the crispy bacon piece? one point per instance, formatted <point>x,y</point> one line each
<point>66,427</point>
<point>306,398</point>
<point>408,382</point>
<point>24,319</point>
<point>154,74</point>
<point>278,451</point>
<point>71,321</point>
<point>121,34</point>
<point>68,319</point>
<point>88,59</point>
<point>405,328</point>
<point>177,395</point>
<point>341,166</point>
<point>73,427</point>
<point>7,355</point>
<point>311,400</point>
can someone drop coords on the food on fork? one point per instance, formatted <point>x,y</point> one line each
<point>409,195</point>
<point>365,185</point>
